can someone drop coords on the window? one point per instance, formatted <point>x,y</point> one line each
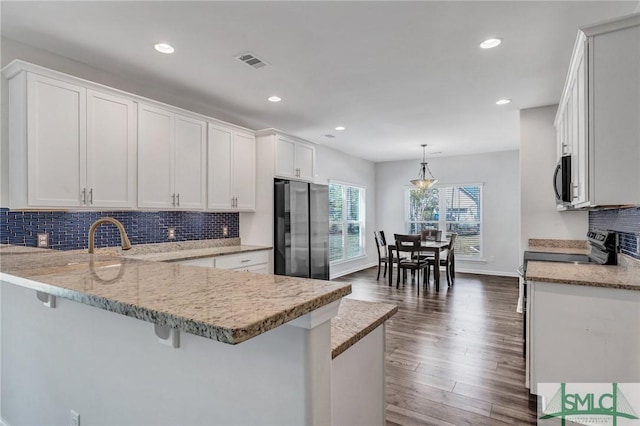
<point>346,222</point>
<point>455,208</point>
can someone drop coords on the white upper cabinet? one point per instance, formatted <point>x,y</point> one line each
<point>74,147</point>
<point>599,112</point>
<point>111,151</point>
<point>305,161</point>
<point>56,142</point>
<point>244,171</point>
<point>155,162</point>
<point>77,144</point>
<point>171,153</point>
<point>190,162</point>
<point>294,159</point>
<point>231,164</point>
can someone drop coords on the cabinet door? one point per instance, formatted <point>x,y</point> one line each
<point>56,147</point>
<point>244,166</point>
<point>155,143</point>
<point>581,150</point>
<point>305,161</point>
<point>285,158</point>
<point>189,171</point>
<point>111,137</point>
<point>220,179</point>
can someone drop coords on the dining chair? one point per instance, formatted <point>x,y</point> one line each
<point>383,253</point>
<point>410,246</point>
<point>448,261</point>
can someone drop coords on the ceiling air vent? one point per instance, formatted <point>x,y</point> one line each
<point>329,135</point>
<point>250,59</point>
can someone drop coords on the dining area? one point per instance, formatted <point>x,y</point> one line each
<point>418,253</point>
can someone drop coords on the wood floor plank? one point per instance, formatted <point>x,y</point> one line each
<point>453,357</point>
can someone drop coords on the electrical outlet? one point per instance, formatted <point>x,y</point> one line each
<point>172,233</point>
<point>43,240</point>
<point>75,419</point>
<point>225,231</point>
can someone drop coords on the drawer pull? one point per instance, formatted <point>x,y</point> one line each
<point>245,260</point>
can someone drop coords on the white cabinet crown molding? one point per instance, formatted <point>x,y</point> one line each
<point>16,66</point>
<point>275,132</point>
<point>611,25</point>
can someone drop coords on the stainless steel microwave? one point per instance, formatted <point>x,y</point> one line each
<point>562,181</point>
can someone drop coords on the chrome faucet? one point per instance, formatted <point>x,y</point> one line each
<point>126,244</point>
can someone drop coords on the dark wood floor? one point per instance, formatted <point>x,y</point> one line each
<point>453,357</point>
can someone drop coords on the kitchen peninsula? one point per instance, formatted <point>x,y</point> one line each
<point>191,345</point>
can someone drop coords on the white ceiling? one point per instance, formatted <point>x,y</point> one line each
<point>395,74</point>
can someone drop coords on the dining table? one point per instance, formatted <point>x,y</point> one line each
<point>427,246</point>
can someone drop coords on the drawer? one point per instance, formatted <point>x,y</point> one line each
<point>205,261</point>
<point>262,268</point>
<point>243,260</point>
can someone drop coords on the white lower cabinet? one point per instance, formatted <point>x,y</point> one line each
<point>254,261</point>
<point>582,334</point>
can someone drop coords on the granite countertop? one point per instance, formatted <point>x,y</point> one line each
<point>559,246</point>
<point>356,319</point>
<point>196,253</point>
<point>223,305</point>
<point>625,275</point>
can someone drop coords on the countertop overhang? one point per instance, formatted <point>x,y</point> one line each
<point>227,306</point>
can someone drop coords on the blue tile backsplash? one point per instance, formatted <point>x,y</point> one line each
<point>69,230</point>
<point>626,222</point>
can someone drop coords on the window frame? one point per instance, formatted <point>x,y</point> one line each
<point>442,221</point>
<point>345,222</point>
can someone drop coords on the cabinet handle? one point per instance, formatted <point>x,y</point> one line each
<point>173,203</point>
<point>245,260</point>
<point>83,199</point>
<point>576,191</point>
<point>178,198</point>
<point>91,196</point>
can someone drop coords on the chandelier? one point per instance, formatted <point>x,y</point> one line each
<point>423,182</point>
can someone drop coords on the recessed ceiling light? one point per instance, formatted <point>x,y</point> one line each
<point>340,128</point>
<point>274,98</point>
<point>503,101</point>
<point>490,43</point>
<point>164,48</point>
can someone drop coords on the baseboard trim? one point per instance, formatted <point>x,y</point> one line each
<point>462,270</point>
<point>352,270</point>
<point>483,272</point>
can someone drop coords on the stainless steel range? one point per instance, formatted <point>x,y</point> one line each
<point>603,252</point>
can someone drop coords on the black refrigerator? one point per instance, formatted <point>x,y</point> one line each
<point>301,229</point>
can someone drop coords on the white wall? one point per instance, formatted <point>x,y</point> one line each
<point>498,171</point>
<point>257,228</point>
<point>338,166</point>
<point>539,217</point>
